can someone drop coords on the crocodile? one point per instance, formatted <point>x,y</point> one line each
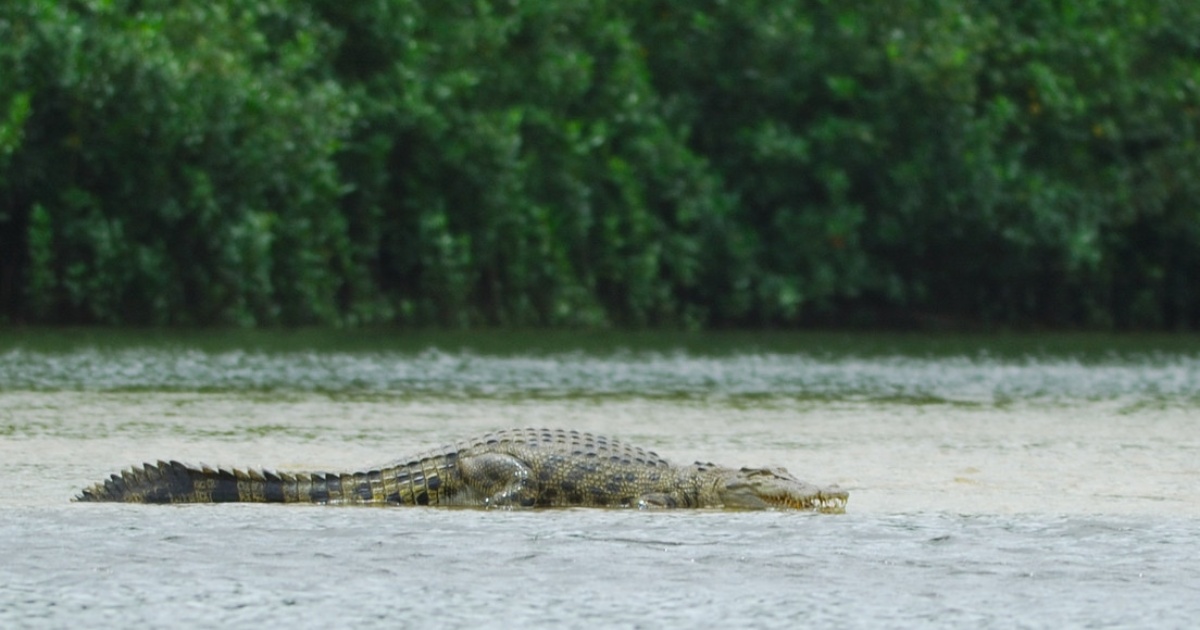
<point>514,468</point>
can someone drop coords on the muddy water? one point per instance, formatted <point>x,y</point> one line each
<point>1039,482</point>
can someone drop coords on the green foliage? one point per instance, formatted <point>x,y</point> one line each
<point>42,283</point>
<point>511,167</point>
<point>12,123</point>
<point>946,160</point>
<point>594,162</point>
<point>181,152</point>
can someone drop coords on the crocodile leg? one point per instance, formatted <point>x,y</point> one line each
<point>498,479</point>
<point>656,500</point>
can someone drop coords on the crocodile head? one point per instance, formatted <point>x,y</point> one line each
<point>775,487</point>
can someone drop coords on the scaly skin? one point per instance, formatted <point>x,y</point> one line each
<point>511,468</point>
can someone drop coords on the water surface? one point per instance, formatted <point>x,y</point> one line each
<point>1032,481</point>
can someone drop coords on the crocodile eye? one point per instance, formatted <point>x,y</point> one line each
<point>769,471</point>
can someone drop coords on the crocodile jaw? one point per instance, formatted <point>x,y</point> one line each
<point>776,488</point>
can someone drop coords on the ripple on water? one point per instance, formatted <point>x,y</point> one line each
<point>978,379</point>
<point>231,565</point>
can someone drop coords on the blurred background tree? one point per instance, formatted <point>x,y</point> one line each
<point>600,163</point>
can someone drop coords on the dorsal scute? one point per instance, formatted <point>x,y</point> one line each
<point>561,441</point>
<point>151,472</point>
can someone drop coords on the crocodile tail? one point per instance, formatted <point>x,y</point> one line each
<point>173,482</point>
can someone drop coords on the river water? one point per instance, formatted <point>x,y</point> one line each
<point>997,482</point>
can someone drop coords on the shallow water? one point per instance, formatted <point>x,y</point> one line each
<point>1035,482</point>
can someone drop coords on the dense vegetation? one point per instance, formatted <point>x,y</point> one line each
<point>600,162</point>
